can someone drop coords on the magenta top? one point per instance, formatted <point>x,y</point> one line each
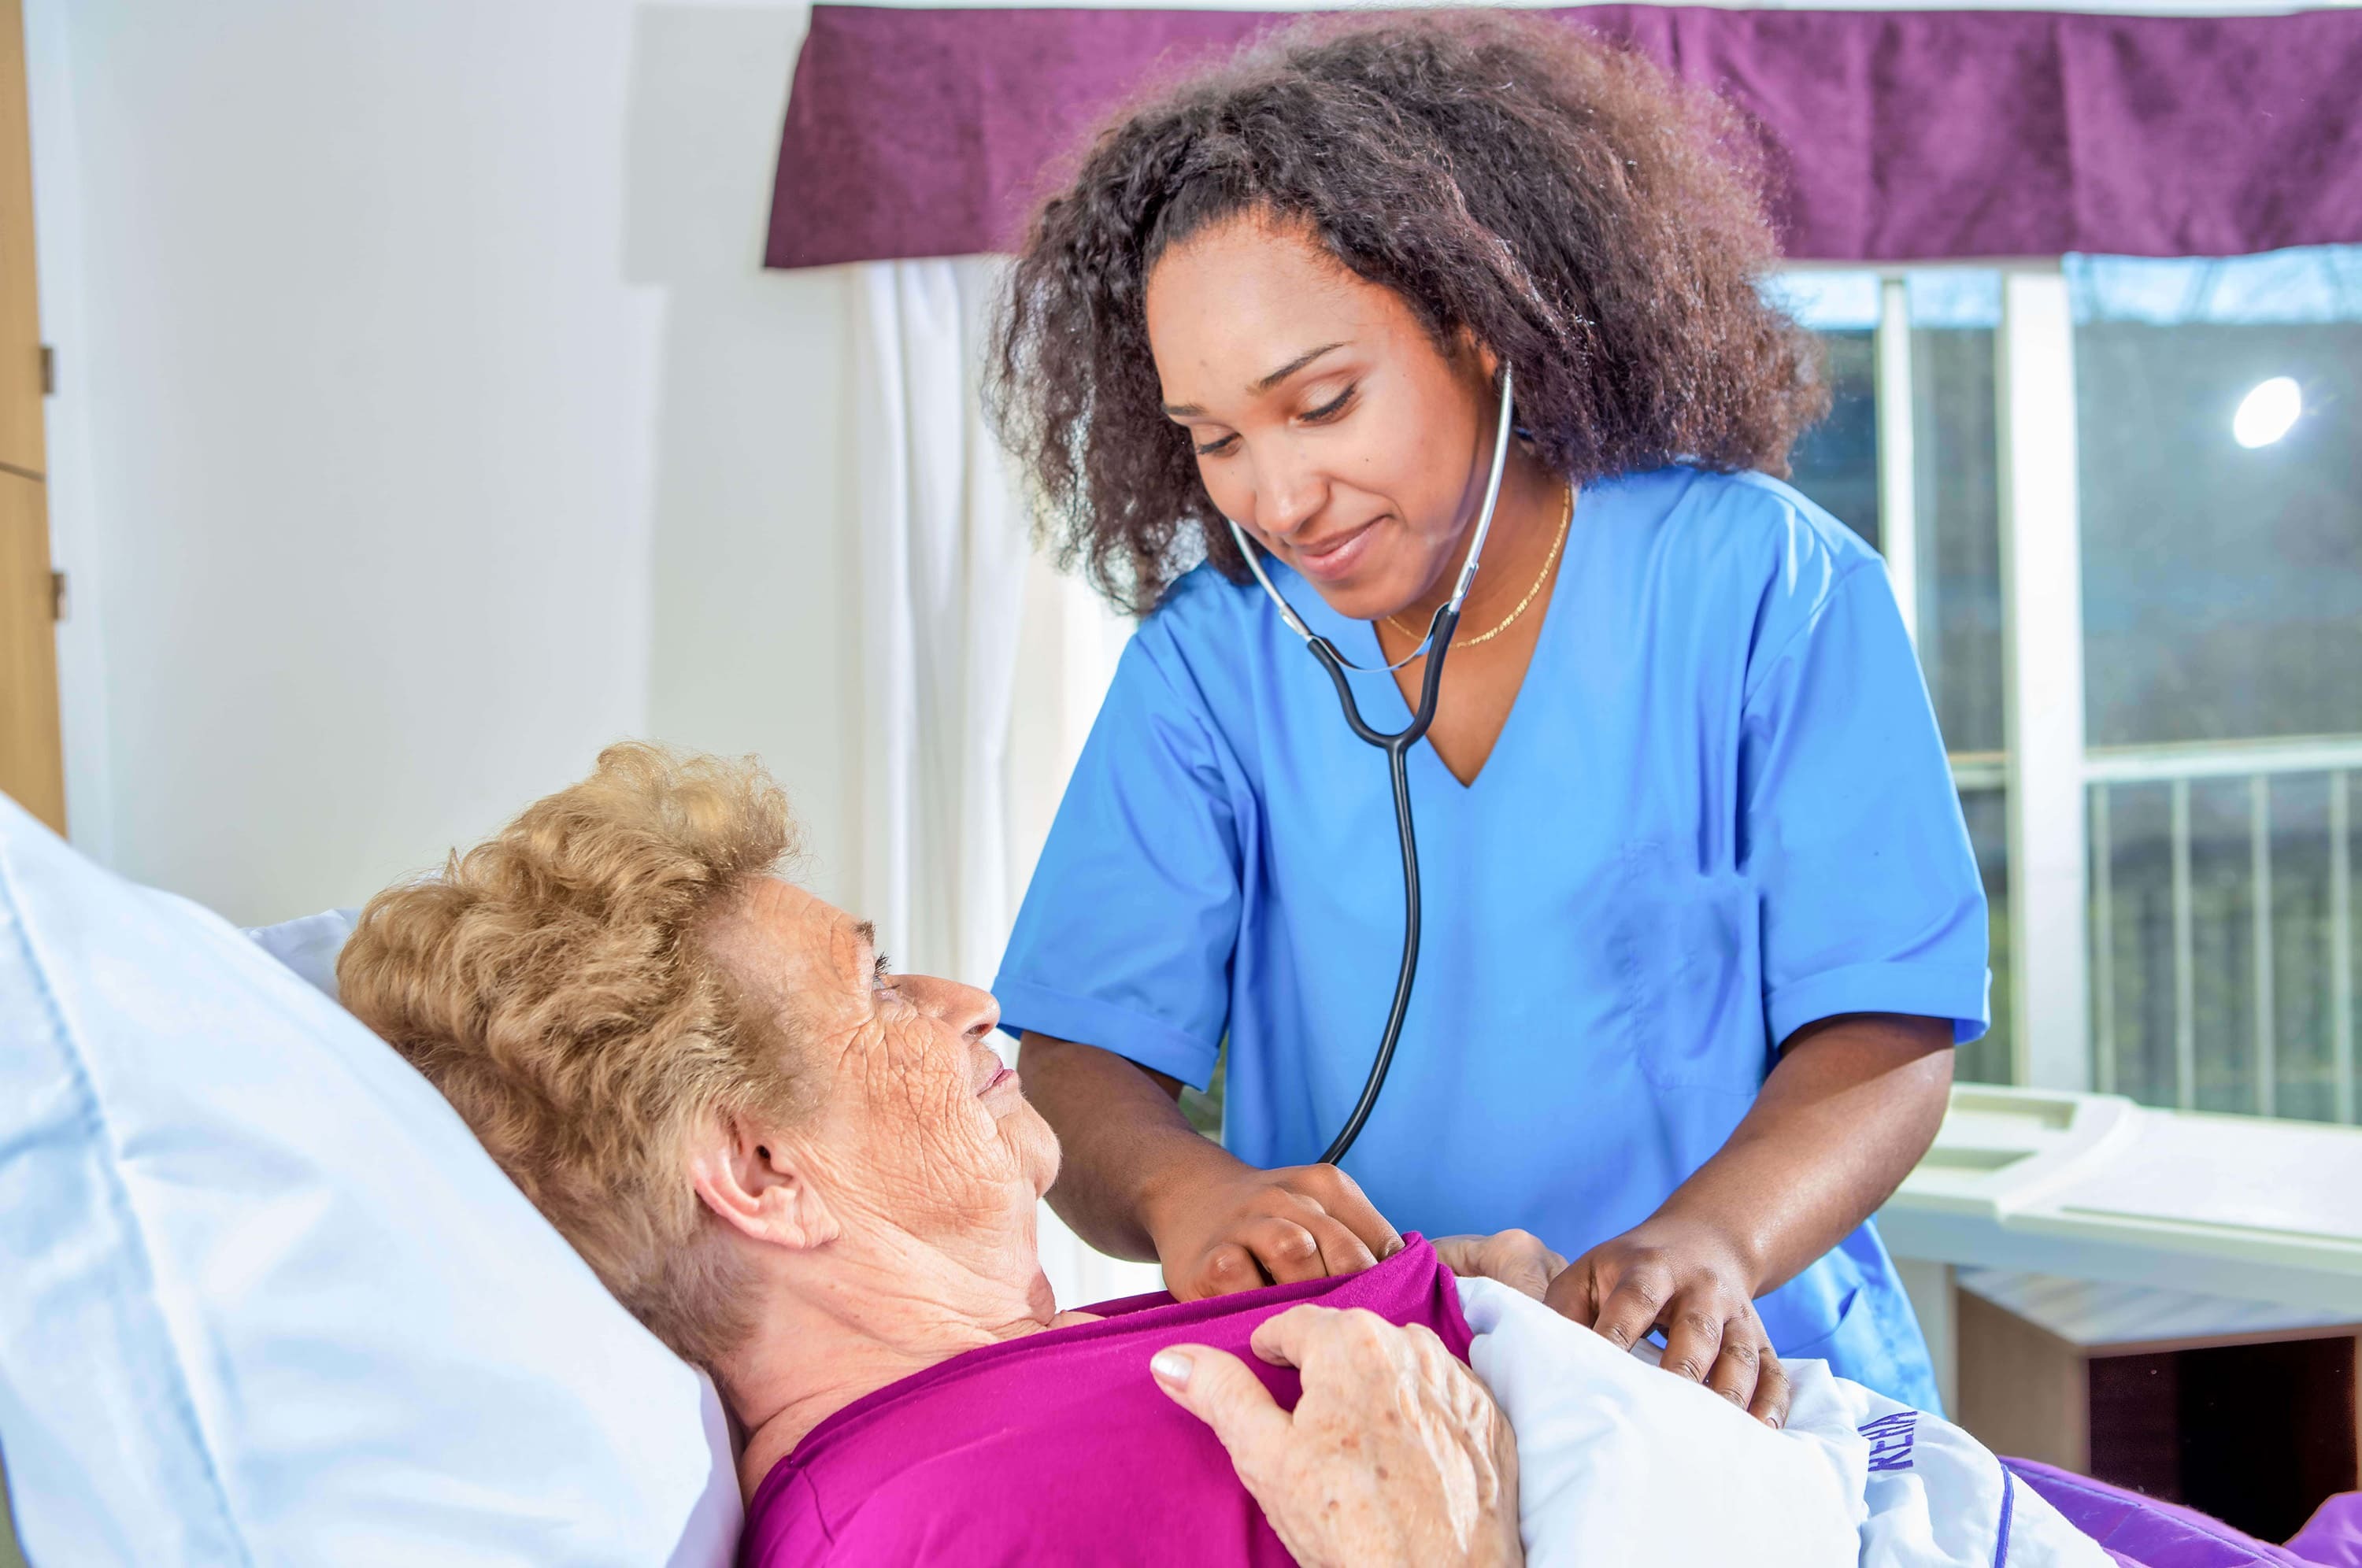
<point>1058,1448</point>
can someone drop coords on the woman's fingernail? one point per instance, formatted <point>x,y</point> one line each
<point>1170,1367</point>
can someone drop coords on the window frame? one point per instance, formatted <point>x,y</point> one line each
<point>2042,681</point>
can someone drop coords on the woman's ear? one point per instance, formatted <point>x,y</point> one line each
<point>1481,355</point>
<point>759,1188</point>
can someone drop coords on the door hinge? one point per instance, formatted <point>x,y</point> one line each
<point>49,371</point>
<point>60,604</point>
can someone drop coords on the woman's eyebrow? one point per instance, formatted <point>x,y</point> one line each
<point>1191,411</point>
<point>1293,366</point>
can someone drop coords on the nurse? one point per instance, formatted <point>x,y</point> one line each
<point>1702,922</point>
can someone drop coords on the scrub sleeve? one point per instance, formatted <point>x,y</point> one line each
<point>1860,884</point>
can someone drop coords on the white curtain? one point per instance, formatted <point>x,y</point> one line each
<point>981,668</point>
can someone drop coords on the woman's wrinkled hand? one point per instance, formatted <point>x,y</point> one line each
<point>1247,1228</point>
<point>1395,1455</point>
<point>1516,1258</point>
<point>1686,1277</point>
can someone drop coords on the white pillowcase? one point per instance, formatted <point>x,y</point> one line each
<point>310,945</point>
<point>263,1297</point>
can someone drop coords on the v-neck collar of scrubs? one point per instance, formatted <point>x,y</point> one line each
<point>1387,709</point>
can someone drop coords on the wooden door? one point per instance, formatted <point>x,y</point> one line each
<point>31,759</point>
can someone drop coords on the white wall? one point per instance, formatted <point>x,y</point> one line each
<point>425,421</point>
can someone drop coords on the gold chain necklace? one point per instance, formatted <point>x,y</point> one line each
<point>1564,521</point>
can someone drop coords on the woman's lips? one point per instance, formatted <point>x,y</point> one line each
<point>1005,1076</point>
<point>1336,559</point>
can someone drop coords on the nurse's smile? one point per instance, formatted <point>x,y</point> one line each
<point>1332,559</point>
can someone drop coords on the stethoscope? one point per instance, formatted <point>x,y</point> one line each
<point>1397,746</point>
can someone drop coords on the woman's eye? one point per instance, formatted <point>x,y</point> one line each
<point>1327,411</point>
<point>1332,409</point>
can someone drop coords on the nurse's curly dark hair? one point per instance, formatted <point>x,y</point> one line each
<point>1553,196</point>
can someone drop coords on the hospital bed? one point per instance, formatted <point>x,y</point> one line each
<point>263,1300</point>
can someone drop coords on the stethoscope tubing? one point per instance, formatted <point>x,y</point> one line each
<point>1396,745</point>
<point>1397,749</point>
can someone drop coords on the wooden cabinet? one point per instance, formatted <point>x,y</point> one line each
<point>2241,1409</point>
<point>31,760</point>
<point>31,764</point>
<point>20,317</point>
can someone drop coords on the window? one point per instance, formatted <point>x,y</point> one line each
<point>2183,439</point>
<point>2219,413</point>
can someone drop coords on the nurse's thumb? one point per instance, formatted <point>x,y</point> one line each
<point>1215,1388</point>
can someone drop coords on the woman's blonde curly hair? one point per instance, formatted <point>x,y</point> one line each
<point>552,983</point>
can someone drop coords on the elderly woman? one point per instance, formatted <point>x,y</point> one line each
<point>811,1175</point>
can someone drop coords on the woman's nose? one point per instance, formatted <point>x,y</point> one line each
<point>1288,494</point>
<point>974,1014</point>
<point>969,1010</point>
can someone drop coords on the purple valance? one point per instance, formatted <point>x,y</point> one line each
<point>1895,136</point>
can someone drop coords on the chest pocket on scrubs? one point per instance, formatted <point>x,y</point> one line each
<point>1686,948</point>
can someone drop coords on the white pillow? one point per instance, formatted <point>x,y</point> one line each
<point>264,1300</point>
<point>310,945</point>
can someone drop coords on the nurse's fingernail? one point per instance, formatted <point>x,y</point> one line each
<point>1171,1367</point>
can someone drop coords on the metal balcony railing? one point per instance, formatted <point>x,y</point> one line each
<point>2297,884</point>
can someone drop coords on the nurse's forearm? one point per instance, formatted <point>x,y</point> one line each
<point>1853,1104</point>
<point>1122,1137</point>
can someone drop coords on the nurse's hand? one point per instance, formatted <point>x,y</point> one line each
<point>1234,1228</point>
<point>1684,1277</point>
<point>1395,1456</point>
<point>1516,1258</point>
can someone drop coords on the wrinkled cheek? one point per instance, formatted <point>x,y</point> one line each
<point>954,1154</point>
<point>970,1148</point>
<point>926,1121</point>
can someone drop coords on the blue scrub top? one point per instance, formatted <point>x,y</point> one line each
<point>1719,810</point>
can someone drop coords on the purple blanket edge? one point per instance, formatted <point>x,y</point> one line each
<point>2141,1532</point>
